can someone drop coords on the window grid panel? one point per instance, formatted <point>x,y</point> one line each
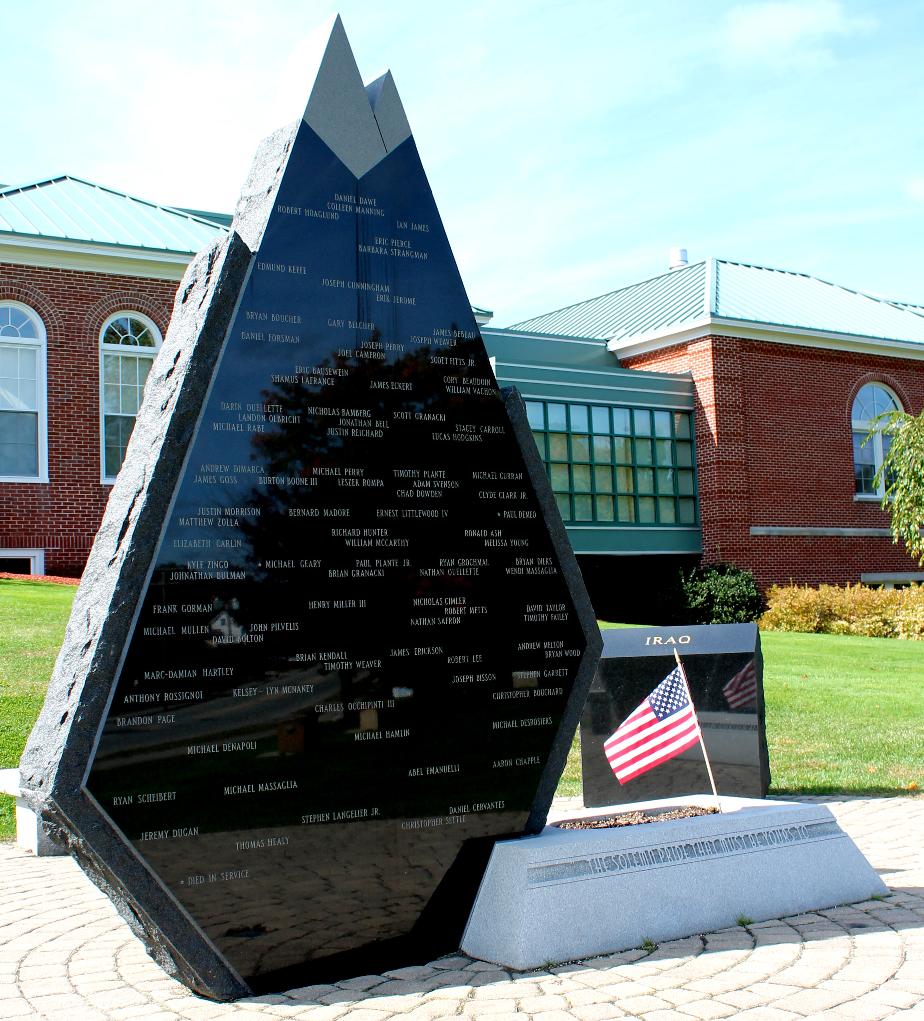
<point>666,476</point>
<point>128,344</point>
<point>535,415</point>
<point>22,394</point>
<point>872,400</point>
<point>19,450</point>
<point>124,376</point>
<point>556,417</point>
<point>128,331</point>
<point>15,323</point>
<point>614,464</point>
<point>18,378</point>
<point>118,432</point>
<point>662,424</point>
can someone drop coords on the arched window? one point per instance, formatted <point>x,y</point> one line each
<point>128,343</point>
<point>23,426</point>
<point>873,400</point>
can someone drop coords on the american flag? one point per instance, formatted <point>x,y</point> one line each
<point>741,690</point>
<point>663,726</point>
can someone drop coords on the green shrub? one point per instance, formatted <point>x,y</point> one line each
<point>722,594</point>
<point>851,610</point>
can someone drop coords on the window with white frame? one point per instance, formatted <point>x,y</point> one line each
<point>22,394</point>
<point>22,561</point>
<point>128,343</point>
<point>873,400</point>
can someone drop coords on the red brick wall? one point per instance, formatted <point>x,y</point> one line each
<point>62,516</point>
<point>774,448</point>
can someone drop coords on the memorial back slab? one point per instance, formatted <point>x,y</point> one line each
<point>331,642</point>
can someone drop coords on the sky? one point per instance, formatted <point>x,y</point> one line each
<point>569,145</point>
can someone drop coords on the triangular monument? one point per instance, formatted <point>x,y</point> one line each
<point>331,641</point>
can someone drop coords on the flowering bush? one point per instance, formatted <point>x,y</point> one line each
<point>853,610</point>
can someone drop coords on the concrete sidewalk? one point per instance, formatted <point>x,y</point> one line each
<point>66,955</point>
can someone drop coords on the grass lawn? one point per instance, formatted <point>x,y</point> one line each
<point>844,714</point>
<point>33,616</point>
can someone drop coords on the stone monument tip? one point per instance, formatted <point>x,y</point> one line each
<point>388,110</point>
<point>338,109</point>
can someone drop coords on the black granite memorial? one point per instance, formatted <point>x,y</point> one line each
<point>724,669</point>
<point>331,642</point>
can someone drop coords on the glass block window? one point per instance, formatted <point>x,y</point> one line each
<point>617,466</point>
<point>128,343</point>
<point>22,387</point>
<point>872,400</point>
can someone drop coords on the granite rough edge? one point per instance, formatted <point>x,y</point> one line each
<point>61,744</point>
<point>568,895</point>
<point>258,192</point>
<point>574,580</point>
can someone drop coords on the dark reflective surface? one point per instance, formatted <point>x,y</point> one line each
<point>724,669</point>
<point>355,646</point>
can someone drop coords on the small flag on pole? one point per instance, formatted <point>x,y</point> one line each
<point>741,690</point>
<point>663,726</point>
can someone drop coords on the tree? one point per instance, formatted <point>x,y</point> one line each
<point>902,471</point>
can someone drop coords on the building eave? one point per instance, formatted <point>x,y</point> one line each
<point>120,260</point>
<point>656,340</point>
<point>558,338</point>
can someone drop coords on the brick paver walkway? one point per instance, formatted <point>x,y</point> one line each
<point>66,955</point>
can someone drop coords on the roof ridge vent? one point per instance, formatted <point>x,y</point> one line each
<point>677,258</point>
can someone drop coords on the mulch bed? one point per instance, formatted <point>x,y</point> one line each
<point>40,577</point>
<point>634,818</point>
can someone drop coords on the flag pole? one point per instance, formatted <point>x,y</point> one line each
<point>702,743</point>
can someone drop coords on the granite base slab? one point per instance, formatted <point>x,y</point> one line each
<point>567,894</point>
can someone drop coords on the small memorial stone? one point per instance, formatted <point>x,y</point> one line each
<point>724,669</point>
<point>331,642</point>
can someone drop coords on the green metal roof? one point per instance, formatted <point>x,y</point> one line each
<point>70,209</point>
<point>222,219</point>
<point>719,289</point>
<point>918,309</point>
<point>663,301</point>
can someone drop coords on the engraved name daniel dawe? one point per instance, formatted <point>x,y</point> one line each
<point>644,858</point>
<point>367,205</point>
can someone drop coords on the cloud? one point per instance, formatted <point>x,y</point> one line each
<point>787,34</point>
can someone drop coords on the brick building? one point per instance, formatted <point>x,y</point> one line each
<point>87,281</point>
<point>788,372</point>
<point>714,410</point>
